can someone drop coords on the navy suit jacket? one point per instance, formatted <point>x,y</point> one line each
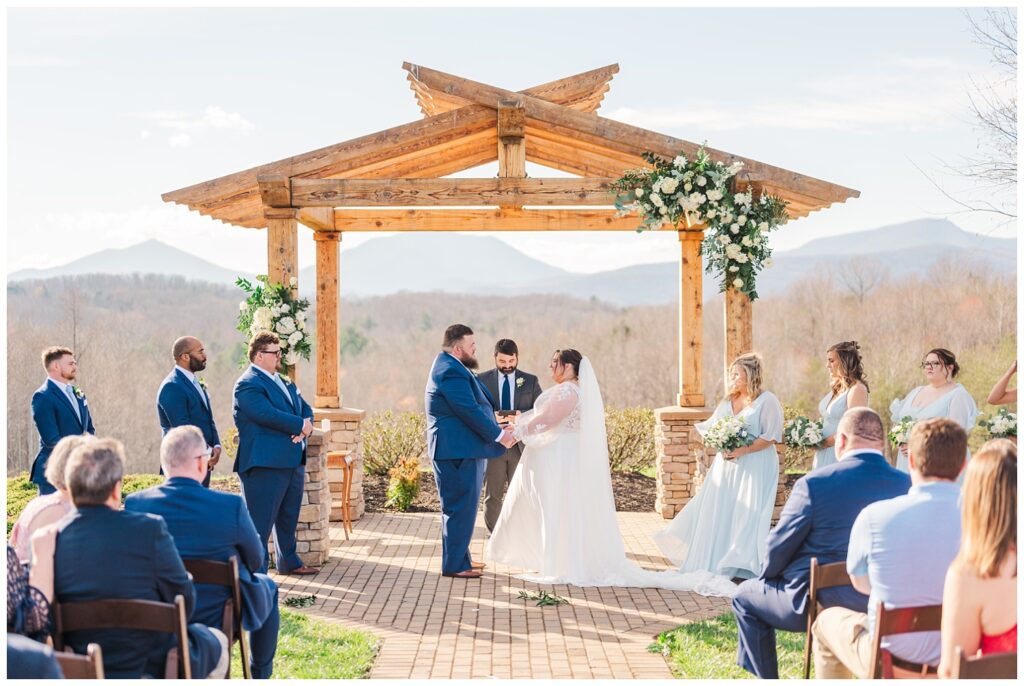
<point>178,403</point>
<point>817,519</point>
<point>103,554</point>
<point>266,421</point>
<point>55,418</point>
<point>460,418</point>
<point>28,659</point>
<point>210,525</point>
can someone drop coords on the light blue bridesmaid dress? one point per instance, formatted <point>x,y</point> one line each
<point>724,528</point>
<point>831,412</point>
<point>956,404</point>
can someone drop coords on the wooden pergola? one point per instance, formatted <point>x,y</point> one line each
<point>393,181</point>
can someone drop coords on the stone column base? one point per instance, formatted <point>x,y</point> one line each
<point>681,458</point>
<point>344,432</point>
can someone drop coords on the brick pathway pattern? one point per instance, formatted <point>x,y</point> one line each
<point>386,580</point>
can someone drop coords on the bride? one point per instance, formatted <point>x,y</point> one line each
<point>558,520</point>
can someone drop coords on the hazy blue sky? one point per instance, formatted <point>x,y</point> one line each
<point>109,108</point>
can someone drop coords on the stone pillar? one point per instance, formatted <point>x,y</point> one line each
<point>681,458</point>
<point>344,433</point>
<point>312,533</point>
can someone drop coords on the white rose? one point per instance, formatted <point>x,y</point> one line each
<point>687,187</point>
<point>712,214</point>
<point>747,242</point>
<point>285,326</point>
<point>741,199</point>
<point>714,195</point>
<point>656,200</point>
<point>679,161</point>
<point>639,192</point>
<point>293,282</point>
<point>768,262</point>
<point>733,251</point>
<point>741,258</point>
<point>295,338</point>
<point>669,185</point>
<point>663,210</point>
<point>737,283</point>
<point>735,228</point>
<point>723,239</point>
<point>292,358</point>
<point>763,226</point>
<point>701,181</point>
<point>742,220</point>
<point>734,268</point>
<point>300,324</point>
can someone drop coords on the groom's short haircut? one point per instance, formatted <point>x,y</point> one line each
<point>863,423</point>
<point>506,346</point>
<point>455,333</point>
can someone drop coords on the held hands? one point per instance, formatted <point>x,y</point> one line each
<point>507,439</point>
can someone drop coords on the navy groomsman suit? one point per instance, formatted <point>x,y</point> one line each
<point>815,522</point>
<point>181,402</point>
<point>56,415</point>
<point>461,435</point>
<point>268,411</point>
<point>104,554</point>
<point>210,525</point>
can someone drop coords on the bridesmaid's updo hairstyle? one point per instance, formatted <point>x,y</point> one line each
<point>947,358</point>
<point>851,367</point>
<point>751,364</point>
<point>570,356</point>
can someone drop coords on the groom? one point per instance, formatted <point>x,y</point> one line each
<point>461,434</point>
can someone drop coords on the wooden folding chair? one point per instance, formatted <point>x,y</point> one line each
<point>994,666</point>
<point>822,576</point>
<point>88,666</point>
<point>136,615</point>
<point>220,573</point>
<point>904,620</point>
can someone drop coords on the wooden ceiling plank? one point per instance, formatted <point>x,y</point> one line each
<point>482,220</point>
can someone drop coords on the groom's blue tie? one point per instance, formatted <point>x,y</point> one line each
<point>506,395</point>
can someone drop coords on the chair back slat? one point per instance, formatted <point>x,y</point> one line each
<point>209,572</point>
<point>831,575</point>
<point>994,666</point>
<point>225,574</point>
<point>903,620</point>
<point>89,666</point>
<point>822,576</point>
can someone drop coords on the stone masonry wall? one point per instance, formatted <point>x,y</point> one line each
<point>345,433</point>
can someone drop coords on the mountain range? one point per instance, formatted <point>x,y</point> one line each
<point>426,262</point>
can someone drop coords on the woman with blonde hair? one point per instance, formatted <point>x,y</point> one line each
<point>849,389</point>
<point>723,530</point>
<point>47,509</point>
<point>979,602</point>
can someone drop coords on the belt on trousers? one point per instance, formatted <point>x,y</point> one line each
<point>913,666</point>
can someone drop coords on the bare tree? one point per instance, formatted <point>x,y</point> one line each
<point>861,275</point>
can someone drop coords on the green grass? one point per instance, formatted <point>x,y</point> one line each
<point>310,648</point>
<point>650,471</point>
<point>707,650</point>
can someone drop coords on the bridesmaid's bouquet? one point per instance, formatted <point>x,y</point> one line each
<point>803,432</point>
<point>728,433</point>
<point>900,431</point>
<point>1002,425</point>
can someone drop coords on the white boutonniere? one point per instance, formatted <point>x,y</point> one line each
<point>202,382</point>
<point>78,392</point>
<point>520,381</point>
<point>285,378</point>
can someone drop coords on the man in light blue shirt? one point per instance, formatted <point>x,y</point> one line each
<point>899,552</point>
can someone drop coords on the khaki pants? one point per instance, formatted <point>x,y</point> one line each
<point>842,644</point>
<point>499,474</point>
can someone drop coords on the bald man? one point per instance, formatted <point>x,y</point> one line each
<point>183,400</point>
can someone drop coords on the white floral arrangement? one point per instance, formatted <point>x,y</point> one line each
<point>271,307</point>
<point>1001,425</point>
<point>899,434</point>
<point>702,191</point>
<point>728,433</point>
<point>803,432</point>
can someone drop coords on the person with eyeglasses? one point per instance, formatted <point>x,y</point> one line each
<point>941,396</point>
<point>273,422</point>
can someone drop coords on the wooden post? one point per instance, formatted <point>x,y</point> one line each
<point>691,319</point>
<point>511,142</point>
<point>328,319</point>
<point>283,254</point>
<point>739,326</point>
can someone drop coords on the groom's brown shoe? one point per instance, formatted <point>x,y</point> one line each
<point>478,565</point>
<point>468,574</point>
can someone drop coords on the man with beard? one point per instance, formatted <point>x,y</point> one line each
<point>461,434</point>
<point>59,409</point>
<point>182,399</point>
<point>513,391</point>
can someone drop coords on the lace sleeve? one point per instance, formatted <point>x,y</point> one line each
<point>543,424</point>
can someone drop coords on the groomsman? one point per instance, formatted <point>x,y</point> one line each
<point>59,409</point>
<point>513,391</point>
<point>182,399</point>
<point>273,423</point>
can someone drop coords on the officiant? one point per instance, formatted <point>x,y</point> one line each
<point>512,391</point>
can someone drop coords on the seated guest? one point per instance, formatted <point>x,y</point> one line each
<point>979,603</point>
<point>46,509</point>
<point>103,553</point>
<point>900,550</point>
<point>815,522</point>
<point>28,618</point>
<point>27,659</point>
<point>210,525</point>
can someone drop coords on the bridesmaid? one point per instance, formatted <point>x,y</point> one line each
<point>849,390</point>
<point>1000,395</point>
<point>940,397</point>
<point>724,528</point>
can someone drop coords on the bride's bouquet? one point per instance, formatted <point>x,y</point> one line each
<point>899,434</point>
<point>1001,425</point>
<point>803,432</point>
<point>728,433</point>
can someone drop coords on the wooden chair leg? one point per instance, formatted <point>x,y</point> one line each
<point>808,643</point>
<point>243,646</point>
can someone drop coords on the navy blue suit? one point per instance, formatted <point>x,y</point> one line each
<point>815,522</point>
<point>210,525</point>
<point>461,436</point>
<point>178,403</point>
<point>27,659</point>
<point>270,466</point>
<point>104,554</point>
<point>55,418</point>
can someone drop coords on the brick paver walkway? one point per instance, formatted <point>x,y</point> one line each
<point>386,580</point>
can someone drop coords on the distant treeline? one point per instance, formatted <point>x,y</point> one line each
<point>122,328</point>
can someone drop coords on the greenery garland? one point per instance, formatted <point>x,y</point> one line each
<point>700,191</point>
<point>271,307</point>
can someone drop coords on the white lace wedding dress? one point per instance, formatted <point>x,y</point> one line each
<point>558,519</point>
